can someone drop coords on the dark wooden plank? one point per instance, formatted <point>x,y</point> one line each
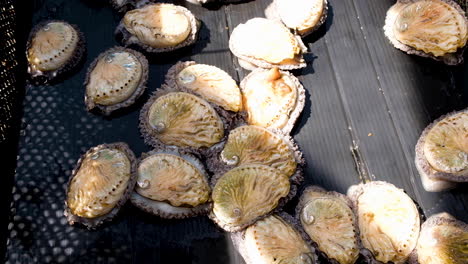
<point>363,100</point>
<point>416,91</point>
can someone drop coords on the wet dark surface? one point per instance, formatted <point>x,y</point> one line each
<point>360,92</point>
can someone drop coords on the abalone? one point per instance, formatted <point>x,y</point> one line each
<point>273,240</point>
<point>245,194</point>
<point>180,119</point>
<point>265,43</point>
<point>272,99</point>
<point>257,145</point>
<point>209,82</point>
<point>158,27</point>
<point>54,48</point>
<point>442,152</point>
<point>302,16</point>
<point>171,184</point>
<point>115,79</point>
<point>328,219</point>
<point>100,184</point>
<point>437,29</point>
<point>443,239</point>
<point>388,221</point>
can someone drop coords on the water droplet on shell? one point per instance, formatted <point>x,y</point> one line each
<point>143,184</point>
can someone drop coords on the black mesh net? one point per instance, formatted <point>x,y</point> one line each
<point>8,64</point>
<point>55,130</point>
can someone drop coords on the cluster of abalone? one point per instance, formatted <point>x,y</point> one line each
<point>442,152</point>
<point>437,29</point>
<point>277,38</point>
<point>224,150</point>
<point>54,48</point>
<point>253,169</point>
<point>376,221</point>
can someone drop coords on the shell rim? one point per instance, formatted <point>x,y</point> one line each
<point>423,166</point>
<point>300,100</point>
<point>264,64</point>
<point>198,210</point>
<point>191,39</point>
<point>92,223</point>
<point>76,58</point>
<point>455,58</point>
<point>108,109</point>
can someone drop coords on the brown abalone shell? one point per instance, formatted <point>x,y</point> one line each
<point>327,217</point>
<point>54,48</point>
<point>443,239</point>
<point>265,43</point>
<point>275,239</point>
<point>171,184</point>
<point>388,221</point>
<point>442,152</point>
<point>182,120</point>
<point>115,79</point>
<point>437,29</point>
<point>159,27</point>
<point>272,99</point>
<point>302,16</point>
<point>100,184</point>
<point>210,82</point>
<point>247,193</point>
